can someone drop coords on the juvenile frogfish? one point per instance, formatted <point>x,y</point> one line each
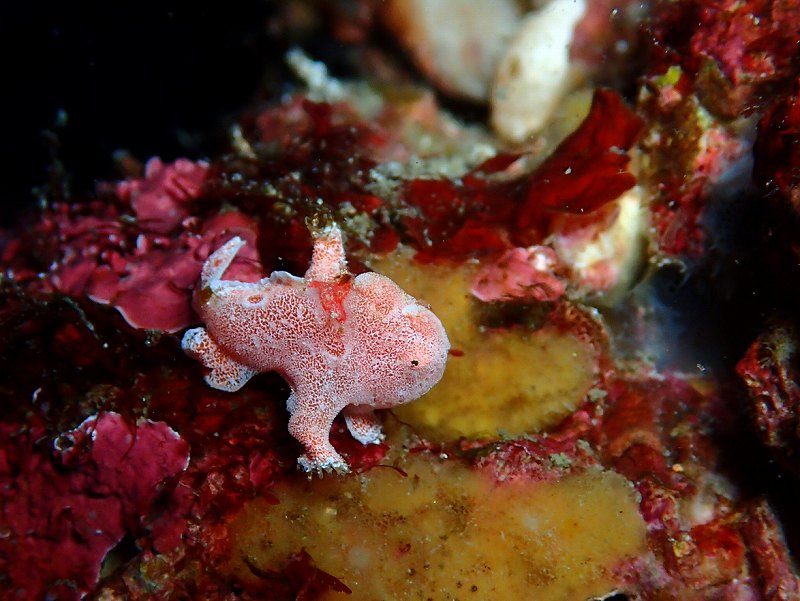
<point>343,343</point>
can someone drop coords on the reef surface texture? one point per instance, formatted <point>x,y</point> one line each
<point>558,362</point>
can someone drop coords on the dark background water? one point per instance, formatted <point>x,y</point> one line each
<point>83,80</point>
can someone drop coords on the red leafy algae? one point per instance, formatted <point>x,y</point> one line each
<point>159,198</point>
<point>588,169</point>
<point>482,217</point>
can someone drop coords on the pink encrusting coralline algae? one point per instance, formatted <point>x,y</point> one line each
<point>521,274</point>
<point>343,343</point>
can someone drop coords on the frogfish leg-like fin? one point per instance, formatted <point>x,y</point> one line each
<point>364,424</point>
<point>310,424</point>
<point>226,373</point>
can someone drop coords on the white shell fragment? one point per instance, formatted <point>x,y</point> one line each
<point>535,72</point>
<point>457,43</point>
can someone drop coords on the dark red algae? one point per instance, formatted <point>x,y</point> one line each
<point>711,65</point>
<point>300,579</point>
<point>738,52</point>
<point>661,435</point>
<point>777,149</point>
<point>67,502</point>
<point>769,370</point>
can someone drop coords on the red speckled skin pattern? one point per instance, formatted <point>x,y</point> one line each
<point>343,343</point>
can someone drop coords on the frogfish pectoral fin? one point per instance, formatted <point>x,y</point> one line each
<point>226,373</point>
